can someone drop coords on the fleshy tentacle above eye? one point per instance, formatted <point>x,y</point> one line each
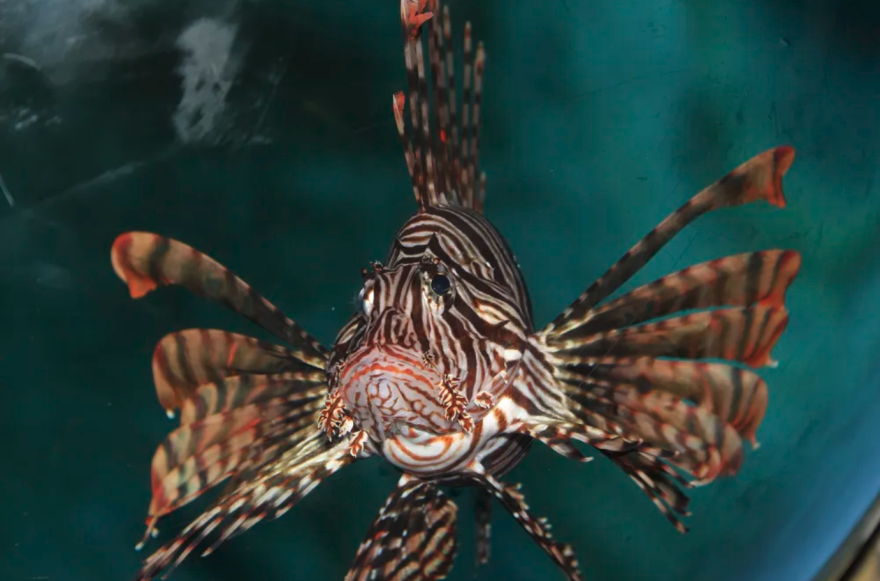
<point>442,156</point>
<point>660,416</point>
<point>412,539</point>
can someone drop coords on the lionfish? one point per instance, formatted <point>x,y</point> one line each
<point>441,371</point>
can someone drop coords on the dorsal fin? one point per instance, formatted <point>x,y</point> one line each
<point>441,156</point>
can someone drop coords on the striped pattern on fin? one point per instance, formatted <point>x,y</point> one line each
<point>538,528</point>
<point>257,419</point>
<point>185,360</point>
<point>483,522</point>
<point>267,490</point>
<point>760,178</point>
<point>737,396</point>
<point>442,156</point>
<point>241,390</point>
<point>690,415</point>
<point>659,416</point>
<point>691,437</point>
<point>146,261</point>
<point>745,279</point>
<point>746,334</point>
<point>662,484</point>
<point>671,424</point>
<point>412,539</point>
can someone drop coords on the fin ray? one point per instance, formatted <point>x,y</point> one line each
<point>267,490</point>
<point>483,522</point>
<point>739,334</point>
<point>514,501</point>
<point>412,539</point>
<point>759,178</point>
<point>740,280</point>
<point>146,261</point>
<point>185,360</point>
<point>198,456</point>
<point>442,155</point>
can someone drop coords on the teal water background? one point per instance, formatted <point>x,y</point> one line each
<point>599,119</point>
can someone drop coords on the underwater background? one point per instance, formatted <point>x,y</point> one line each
<point>599,118</point>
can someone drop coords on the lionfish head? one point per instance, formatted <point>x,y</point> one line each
<point>428,351</point>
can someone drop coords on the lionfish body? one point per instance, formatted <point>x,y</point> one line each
<point>441,371</point>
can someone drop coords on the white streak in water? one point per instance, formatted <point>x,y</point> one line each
<point>6,193</point>
<point>208,71</point>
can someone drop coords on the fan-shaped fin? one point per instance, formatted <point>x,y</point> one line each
<point>265,490</point>
<point>146,261</point>
<point>660,482</point>
<point>412,539</point>
<point>737,334</point>
<point>184,360</point>
<point>654,416</point>
<point>741,280</point>
<point>293,388</point>
<point>199,455</point>
<point>760,178</point>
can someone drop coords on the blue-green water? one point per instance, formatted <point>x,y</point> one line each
<point>599,119</point>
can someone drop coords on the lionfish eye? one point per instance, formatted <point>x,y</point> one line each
<point>440,284</point>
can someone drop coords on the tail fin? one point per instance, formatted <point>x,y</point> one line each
<point>442,158</point>
<point>663,415</point>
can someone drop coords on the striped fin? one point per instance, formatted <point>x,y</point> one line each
<point>241,390</point>
<point>740,334</point>
<point>268,490</point>
<point>737,396</point>
<point>660,482</point>
<point>146,261</point>
<point>442,156</point>
<point>538,528</point>
<point>197,456</point>
<point>662,416</point>
<point>687,414</point>
<point>184,360</point>
<point>694,438</point>
<point>483,521</point>
<point>559,436</point>
<point>741,280</point>
<point>412,539</point>
<point>760,178</point>
<point>224,426</point>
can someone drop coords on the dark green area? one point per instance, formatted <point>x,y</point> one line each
<point>600,118</point>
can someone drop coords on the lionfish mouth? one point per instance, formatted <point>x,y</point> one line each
<point>386,387</point>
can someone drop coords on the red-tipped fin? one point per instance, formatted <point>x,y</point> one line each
<point>760,178</point>
<point>121,255</point>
